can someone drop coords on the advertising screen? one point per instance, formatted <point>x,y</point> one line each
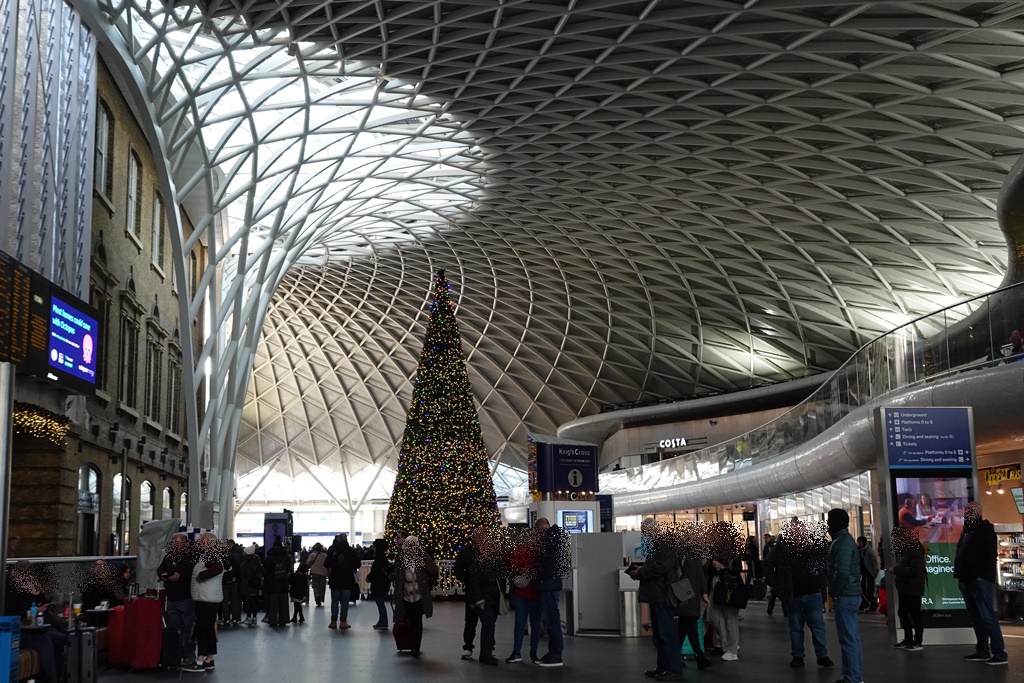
<point>933,506</point>
<point>576,521</point>
<point>65,340</point>
<point>73,335</point>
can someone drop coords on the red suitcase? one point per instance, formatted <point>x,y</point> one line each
<point>403,635</point>
<point>144,631</point>
<point>117,647</point>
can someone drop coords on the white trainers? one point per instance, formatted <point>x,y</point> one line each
<point>467,654</point>
<point>730,657</point>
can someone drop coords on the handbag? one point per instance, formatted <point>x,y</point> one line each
<point>680,590</point>
<point>729,591</point>
<point>521,581</point>
<point>502,602</point>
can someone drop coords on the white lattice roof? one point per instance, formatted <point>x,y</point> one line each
<point>631,199</point>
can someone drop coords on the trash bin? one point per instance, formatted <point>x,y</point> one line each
<point>629,614</point>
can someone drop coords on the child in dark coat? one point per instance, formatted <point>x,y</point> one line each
<point>298,590</point>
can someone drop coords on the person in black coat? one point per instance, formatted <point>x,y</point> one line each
<point>343,563</point>
<point>298,589</point>
<point>483,595</point>
<point>463,561</point>
<point>911,575</point>
<point>975,569</point>
<point>380,581</point>
<point>231,608</point>
<point>278,570</point>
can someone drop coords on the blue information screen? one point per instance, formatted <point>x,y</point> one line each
<point>928,437</point>
<point>72,340</point>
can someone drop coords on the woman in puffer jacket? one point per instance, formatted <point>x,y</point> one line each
<point>207,594</point>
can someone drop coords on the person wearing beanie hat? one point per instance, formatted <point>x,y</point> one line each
<point>250,586</point>
<point>844,587</point>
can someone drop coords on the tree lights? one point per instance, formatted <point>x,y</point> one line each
<point>443,488</point>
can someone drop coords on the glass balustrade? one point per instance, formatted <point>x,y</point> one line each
<point>972,335</point>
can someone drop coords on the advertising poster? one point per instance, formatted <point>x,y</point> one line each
<point>73,338</point>
<point>933,507</point>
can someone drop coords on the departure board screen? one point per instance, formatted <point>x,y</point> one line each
<point>15,286</point>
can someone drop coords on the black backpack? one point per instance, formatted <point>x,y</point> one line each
<point>282,570</point>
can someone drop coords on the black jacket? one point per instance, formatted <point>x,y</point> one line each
<point>797,571</point>
<point>463,561</point>
<point>232,562</point>
<point>182,588</point>
<point>380,578</point>
<point>910,572</point>
<point>656,573</point>
<point>976,553</point>
<point>277,569</point>
<point>251,572</point>
<point>341,560</point>
<point>298,586</point>
<point>482,585</point>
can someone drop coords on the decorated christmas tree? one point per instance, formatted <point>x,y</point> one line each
<point>443,488</point>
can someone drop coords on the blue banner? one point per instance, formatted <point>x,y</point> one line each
<point>928,437</point>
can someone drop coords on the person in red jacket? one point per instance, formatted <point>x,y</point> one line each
<point>523,560</point>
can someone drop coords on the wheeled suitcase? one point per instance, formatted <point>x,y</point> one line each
<point>403,635</point>
<point>144,628</point>
<point>117,645</point>
<point>170,648</point>
<point>82,655</point>
<point>758,589</point>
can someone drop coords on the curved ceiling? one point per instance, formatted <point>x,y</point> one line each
<point>631,199</point>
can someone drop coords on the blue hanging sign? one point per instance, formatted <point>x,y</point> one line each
<point>928,437</point>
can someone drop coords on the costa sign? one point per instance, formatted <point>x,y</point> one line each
<point>671,443</point>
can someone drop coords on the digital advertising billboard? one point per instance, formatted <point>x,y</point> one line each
<point>932,506</point>
<point>65,340</point>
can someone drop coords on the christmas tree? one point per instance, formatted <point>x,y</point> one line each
<point>443,488</point>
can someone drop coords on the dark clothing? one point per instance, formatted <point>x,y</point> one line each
<point>466,558</point>
<point>182,588</point>
<point>488,618</point>
<point>656,574</point>
<point>251,574</point>
<point>797,571</point>
<point>692,569</point>
<point>483,593</point>
<point>767,565</point>
<point>231,564</point>
<point>483,585</point>
<point>380,578</point>
<point>463,561</point>
<point>688,629</point>
<point>206,628</point>
<point>552,560</point>
<point>343,563</point>
<point>277,569</point>
<point>910,617</point>
<point>976,553</point>
<point>910,573</point>
<point>414,615</point>
<point>298,587</point>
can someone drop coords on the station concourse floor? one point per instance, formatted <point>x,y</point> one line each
<point>312,653</point>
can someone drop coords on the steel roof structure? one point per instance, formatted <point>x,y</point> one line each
<point>632,199</point>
